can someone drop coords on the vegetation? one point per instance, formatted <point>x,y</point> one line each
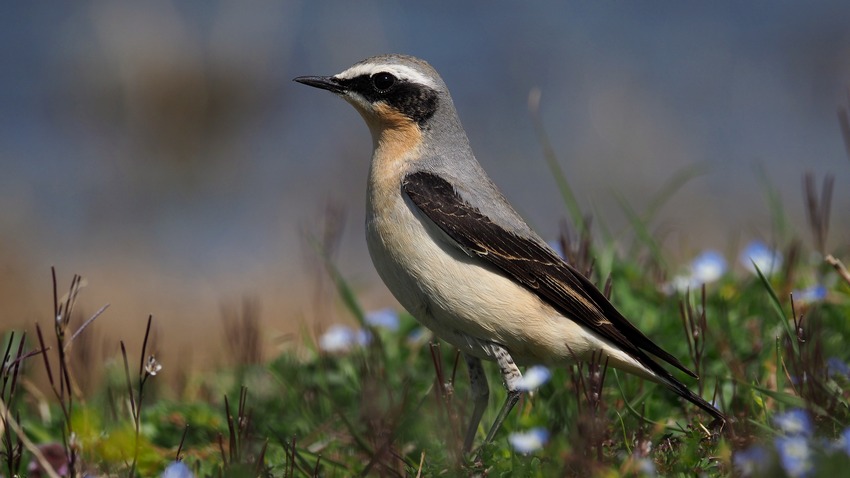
<point>768,339</point>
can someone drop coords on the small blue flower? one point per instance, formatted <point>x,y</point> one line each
<point>751,461</point>
<point>795,455</point>
<point>815,293</point>
<point>177,469</point>
<point>708,267</point>
<point>680,283</point>
<point>529,441</point>
<point>386,318</point>
<point>533,378</point>
<point>338,338</point>
<point>341,338</point>
<point>794,423</point>
<point>362,337</point>
<point>838,367</point>
<point>757,254</point>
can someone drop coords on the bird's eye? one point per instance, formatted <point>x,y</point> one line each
<point>383,81</point>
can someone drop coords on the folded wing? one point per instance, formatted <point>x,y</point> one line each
<point>530,263</point>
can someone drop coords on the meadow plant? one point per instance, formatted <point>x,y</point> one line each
<point>381,397</point>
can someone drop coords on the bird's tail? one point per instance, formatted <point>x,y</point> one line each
<point>644,366</point>
<point>683,391</point>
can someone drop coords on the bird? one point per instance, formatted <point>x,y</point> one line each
<point>461,260</point>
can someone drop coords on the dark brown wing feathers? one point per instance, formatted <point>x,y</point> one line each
<point>540,270</point>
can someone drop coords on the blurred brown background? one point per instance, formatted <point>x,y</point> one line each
<point>160,149</point>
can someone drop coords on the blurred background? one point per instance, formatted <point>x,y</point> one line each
<point>160,149</point>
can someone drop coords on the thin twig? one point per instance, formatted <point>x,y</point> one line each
<point>818,208</point>
<point>421,463</point>
<point>86,324</point>
<point>27,443</point>
<point>129,384</point>
<point>839,266</point>
<point>182,441</point>
<point>144,348</point>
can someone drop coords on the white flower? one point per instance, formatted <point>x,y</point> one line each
<point>680,283</point>
<point>533,378</point>
<point>529,441</point>
<point>758,255</point>
<point>152,367</point>
<point>708,267</point>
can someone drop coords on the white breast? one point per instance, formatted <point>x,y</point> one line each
<point>461,299</point>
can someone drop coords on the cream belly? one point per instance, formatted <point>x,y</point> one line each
<point>463,301</point>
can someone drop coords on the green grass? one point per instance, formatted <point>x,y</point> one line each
<point>398,405</point>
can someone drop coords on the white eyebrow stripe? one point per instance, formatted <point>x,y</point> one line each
<point>399,71</point>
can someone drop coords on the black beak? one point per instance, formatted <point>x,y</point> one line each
<point>324,82</point>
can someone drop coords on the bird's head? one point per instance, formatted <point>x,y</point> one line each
<point>395,92</point>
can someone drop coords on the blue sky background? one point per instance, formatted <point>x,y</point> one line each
<point>161,150</point>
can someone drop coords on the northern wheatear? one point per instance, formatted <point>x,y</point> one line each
<point>460,259</point>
